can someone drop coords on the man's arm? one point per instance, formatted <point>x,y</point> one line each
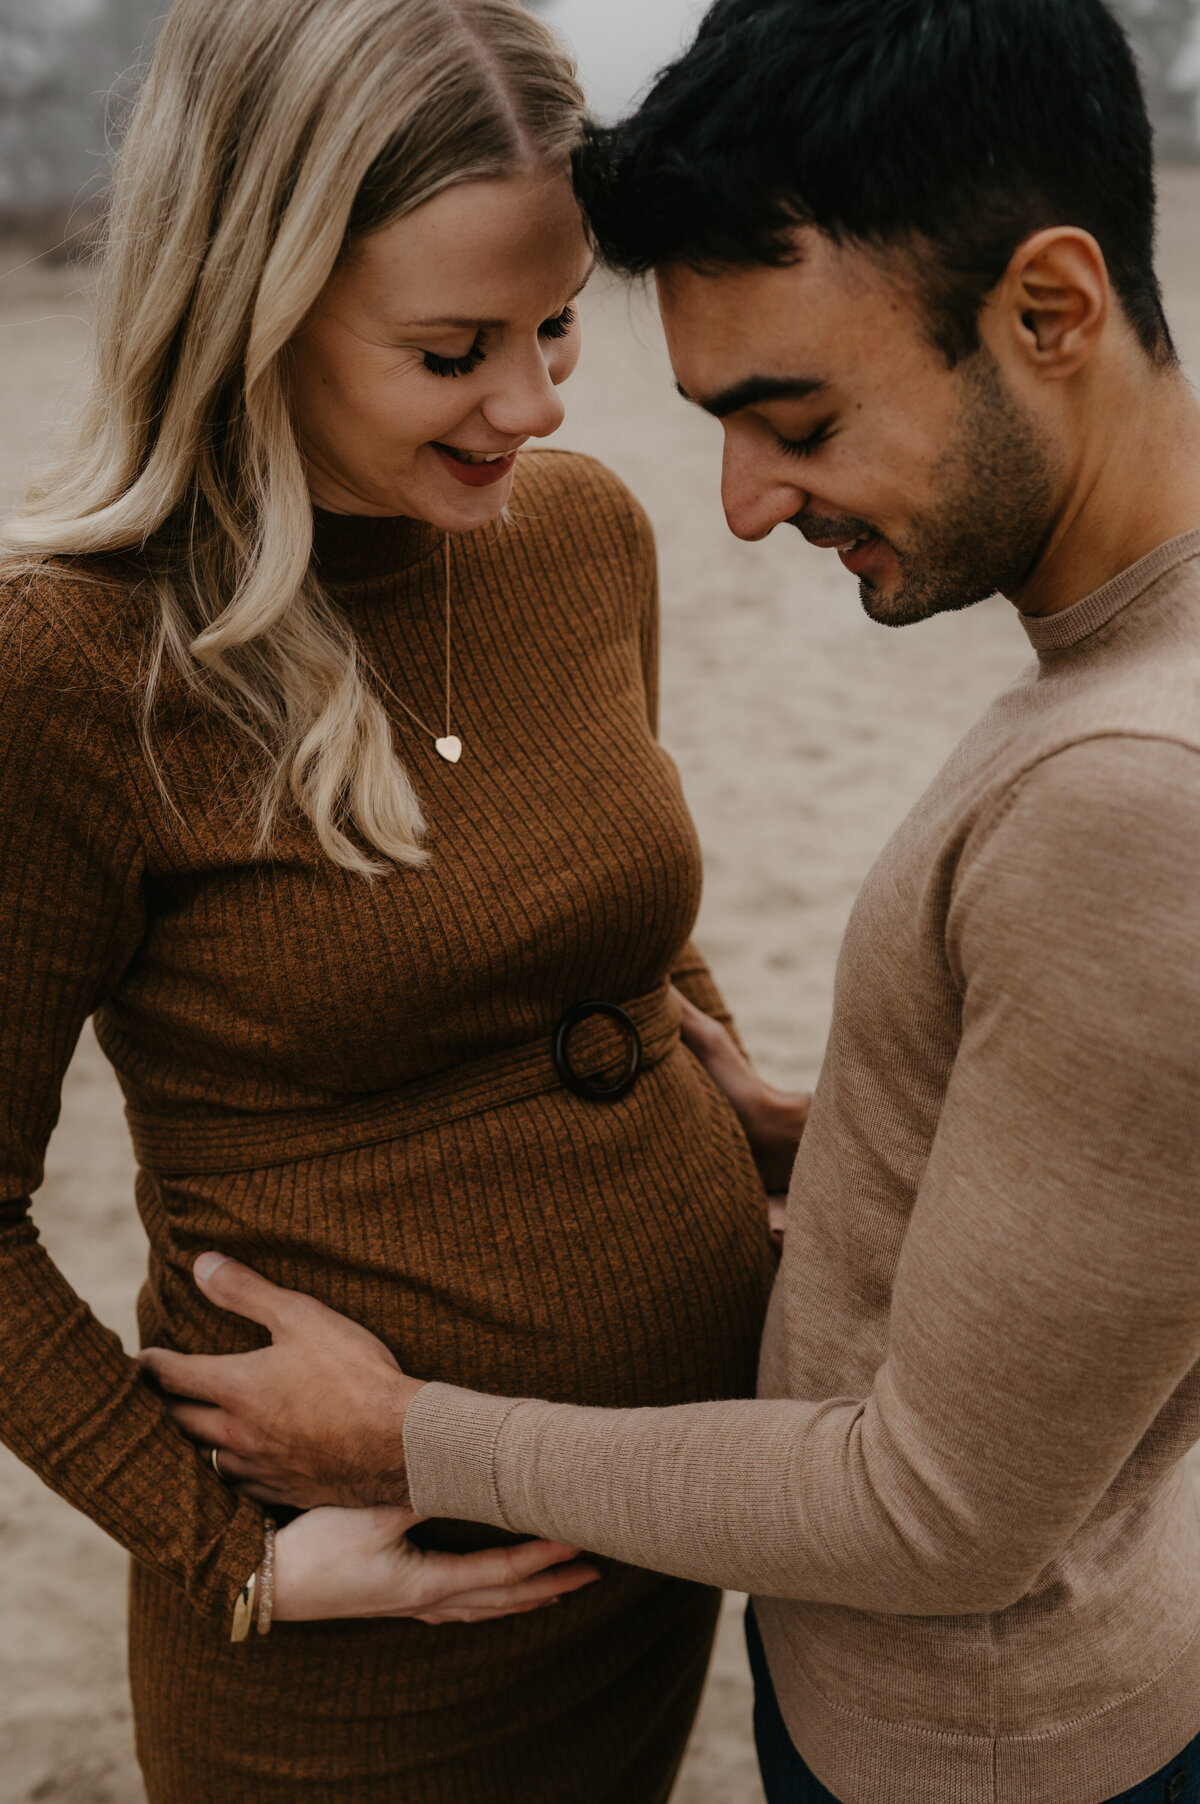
<point>1047,1301</point>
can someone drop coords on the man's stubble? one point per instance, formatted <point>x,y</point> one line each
<point>992,509</point>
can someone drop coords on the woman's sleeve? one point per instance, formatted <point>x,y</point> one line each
<point>73,1405</point>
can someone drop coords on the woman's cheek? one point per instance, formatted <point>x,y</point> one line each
<point>411,417</point>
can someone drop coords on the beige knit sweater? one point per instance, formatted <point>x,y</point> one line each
<point>960,1500</point>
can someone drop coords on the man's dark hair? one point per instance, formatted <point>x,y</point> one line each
<point>952,129</point>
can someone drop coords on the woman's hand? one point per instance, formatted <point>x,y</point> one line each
<point>336,1563</point>
<point>773,1120</point>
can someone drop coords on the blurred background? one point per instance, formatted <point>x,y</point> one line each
<point>59,60</point>
<point>802,732</point>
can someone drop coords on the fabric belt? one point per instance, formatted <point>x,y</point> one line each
<point>170,1144</point>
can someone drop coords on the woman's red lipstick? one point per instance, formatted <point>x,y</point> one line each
<point>475,476</point>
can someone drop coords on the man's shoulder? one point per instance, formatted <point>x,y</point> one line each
<point>1113,771</point>
<point>1054,761</point>
<point>1135,683</point>
<point>1105,828</point>
<point>1146,689</point>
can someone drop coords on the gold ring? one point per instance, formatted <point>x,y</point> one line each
<point>214,1460</point>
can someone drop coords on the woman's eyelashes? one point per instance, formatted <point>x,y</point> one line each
<point>456,366</point>
<point>558,327</point>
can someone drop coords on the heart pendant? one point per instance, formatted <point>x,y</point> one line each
<point>449,748</point>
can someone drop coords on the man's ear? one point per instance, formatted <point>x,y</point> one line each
<point>1055,299</point>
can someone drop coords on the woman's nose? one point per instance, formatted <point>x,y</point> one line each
<point>528,405</point>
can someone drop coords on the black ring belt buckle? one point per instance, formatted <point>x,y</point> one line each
<point>590,1088</point>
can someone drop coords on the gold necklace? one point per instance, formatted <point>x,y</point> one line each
<point>447,745</point>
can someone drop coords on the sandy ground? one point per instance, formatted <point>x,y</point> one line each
<point>803,733</point>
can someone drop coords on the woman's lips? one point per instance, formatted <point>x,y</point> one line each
<point>475,476</point>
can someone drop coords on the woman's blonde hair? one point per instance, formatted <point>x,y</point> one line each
<point>271,134</point>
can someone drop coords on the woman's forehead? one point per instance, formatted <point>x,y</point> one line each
<point>477,253</point>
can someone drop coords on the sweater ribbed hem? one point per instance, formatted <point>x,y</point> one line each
<point>866,1760</point>
<point>450,1440</point>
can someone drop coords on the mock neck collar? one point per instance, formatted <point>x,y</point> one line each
<point>1050,633</point>
<point>353,548</point>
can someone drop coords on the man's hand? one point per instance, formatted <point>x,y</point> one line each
<point>317,1417</point>
<point>773,1119</point>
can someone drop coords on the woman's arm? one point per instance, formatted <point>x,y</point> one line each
<point>73,1406</point>
<point>338,1563</point>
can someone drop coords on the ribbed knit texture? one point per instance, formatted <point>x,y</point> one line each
<point>960,1499</point>
<point>287,1037</point>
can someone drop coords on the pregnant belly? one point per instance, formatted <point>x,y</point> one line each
<point>604,1254</point>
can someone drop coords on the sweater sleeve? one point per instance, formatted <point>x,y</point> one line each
<point>72,1405</point>
<point>1046,1303</point>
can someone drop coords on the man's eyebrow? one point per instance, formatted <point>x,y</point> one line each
<point>460,322</point>
<point>753,390</point>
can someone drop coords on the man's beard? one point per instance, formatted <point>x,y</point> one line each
<point>993,503</point>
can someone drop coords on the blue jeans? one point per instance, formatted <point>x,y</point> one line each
<point>786,1779</point>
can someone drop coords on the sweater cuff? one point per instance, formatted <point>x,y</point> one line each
<point>223,1568</point>
<point>450,1442</point>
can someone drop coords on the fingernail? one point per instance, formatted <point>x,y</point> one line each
<point>206,1265</point>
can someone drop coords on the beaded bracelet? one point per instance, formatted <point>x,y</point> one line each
<point>266,1587</point>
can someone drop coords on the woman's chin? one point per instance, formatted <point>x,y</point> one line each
<point>440,500</point>
<point>454,507</point>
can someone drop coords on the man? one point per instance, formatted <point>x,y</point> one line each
<point>904,253</point>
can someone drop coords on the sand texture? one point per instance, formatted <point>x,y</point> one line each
<point>803,733</point>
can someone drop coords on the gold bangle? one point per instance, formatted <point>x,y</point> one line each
<point>243,1609</point>
<point>266,1588</point>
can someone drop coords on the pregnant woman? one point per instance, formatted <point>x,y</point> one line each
<point>329,787</point>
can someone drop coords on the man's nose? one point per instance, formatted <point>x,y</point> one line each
<point>755,496</point>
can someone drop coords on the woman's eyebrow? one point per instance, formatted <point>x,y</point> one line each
<point>473,323</point>
<point>465,323</point>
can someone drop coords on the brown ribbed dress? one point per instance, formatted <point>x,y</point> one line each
<point>348,1085</point>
